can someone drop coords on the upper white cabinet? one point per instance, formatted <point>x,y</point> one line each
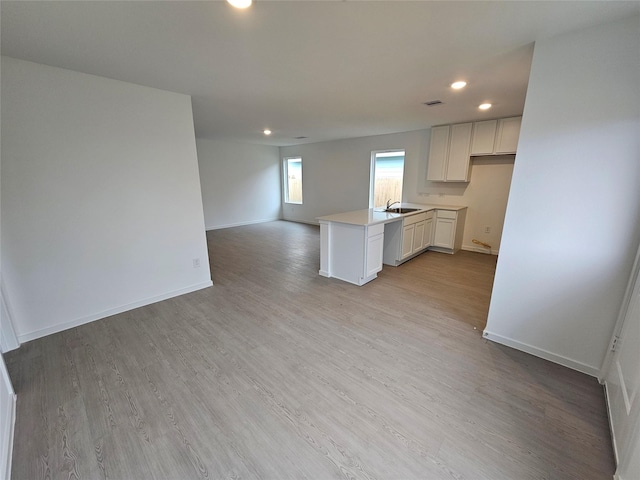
<point>438,153</point>
<point>484,137</point>
<point>496,137</point>
<point>508,134</point>
<point>449,153</point>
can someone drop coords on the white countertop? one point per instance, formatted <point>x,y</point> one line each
<point>373,216</point>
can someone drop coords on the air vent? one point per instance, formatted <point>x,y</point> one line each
<point>433,103</point>
<point>300,138</point>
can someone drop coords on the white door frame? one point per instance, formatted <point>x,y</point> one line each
<point>626,300</point>
<point>8,338</point>
<point>626,455</point>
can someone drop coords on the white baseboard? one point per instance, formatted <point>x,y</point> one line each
<point>306,222</point>
<point>240,224</point>
<point>473,248</point>
<point>539,352</point>
<point>112,311</point>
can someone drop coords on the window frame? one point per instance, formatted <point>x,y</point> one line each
<point>372,172</point>
<point>285,178</point>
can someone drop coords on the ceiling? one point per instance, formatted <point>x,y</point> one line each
<point>324,70</point>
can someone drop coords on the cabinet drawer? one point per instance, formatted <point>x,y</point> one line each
<point>429,214</point>
<point>373,230</point>
<point>420,217</point>
<point>447,214</point>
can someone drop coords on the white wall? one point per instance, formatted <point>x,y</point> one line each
<point>335,178</point>
<point>573,218</point>
<point>101,204</point>
<point>241,183</point>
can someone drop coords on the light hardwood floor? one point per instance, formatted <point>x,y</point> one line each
<point>276,372</point>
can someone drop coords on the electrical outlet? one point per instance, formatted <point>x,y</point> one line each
<point>487,229</point>
<point>196,263</point>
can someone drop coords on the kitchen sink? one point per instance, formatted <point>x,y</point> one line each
<point>401,210</point>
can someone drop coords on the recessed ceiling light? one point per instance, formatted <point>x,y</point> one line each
<point>240,3</point>
<point>484,106</point>
<point>458,85</point>
<point>266,131</point>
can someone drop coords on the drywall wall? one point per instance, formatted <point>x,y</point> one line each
<point>101,204</point>
<point>573,218</point>
<point>335,178</point>
<point>241,183</point>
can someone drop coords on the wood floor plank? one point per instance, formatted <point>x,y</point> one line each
<point>276,372</point>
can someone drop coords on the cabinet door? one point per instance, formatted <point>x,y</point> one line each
<point>428,232</point>
<point>407,240</point>
<point>445,233</point>
<point>418,237</point>
<point>508,134</point>
<point>375,247</point>
<point>459,153</point>
<point>484,137</point>
<point>438,152</point>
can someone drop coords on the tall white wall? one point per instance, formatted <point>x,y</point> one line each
<point>335,178</point>
<point>241,183</point>
<point>101,204</point>
<point>573,218</point>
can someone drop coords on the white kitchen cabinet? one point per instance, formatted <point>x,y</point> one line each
<point>438,153</point>
<point>375,246</point>
<point>507,135</point>
<point>418,237</point>
<point>484,137</point>
<point>496,137</point>
<point>407,241</point>
<point>406,238</point>
<point>449,153</point>
<point>352,253</point>
<point>449,228</point>
<point>428,230</point>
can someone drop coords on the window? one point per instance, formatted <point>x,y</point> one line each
<point>387,171</point>
<point>293,180</point>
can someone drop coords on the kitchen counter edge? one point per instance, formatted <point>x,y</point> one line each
<point>374,216</point>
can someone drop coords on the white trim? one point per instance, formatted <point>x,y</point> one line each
<point>6,440</point>
<point>624,307</point>
<point>470,248</point>
<point>112,311</point>
<point>607,399</point>
<point>295,220</point>
<point>539,352</point>
<point>8,338</point>
<point>240,224</point>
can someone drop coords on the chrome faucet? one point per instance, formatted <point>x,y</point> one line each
<point>389,205</point>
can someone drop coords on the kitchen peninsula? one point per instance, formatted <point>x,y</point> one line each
<point>354,245</point>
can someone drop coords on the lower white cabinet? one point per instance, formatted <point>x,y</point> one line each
<point>375,248</point>
<point>352,253</point>
<point>407,241</point>
<point>428,230</point>
<point>449,228</point>
<point>418,237</point>
<point>408,238</point>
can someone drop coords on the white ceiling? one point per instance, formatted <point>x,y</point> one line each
<point>325,70</point>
